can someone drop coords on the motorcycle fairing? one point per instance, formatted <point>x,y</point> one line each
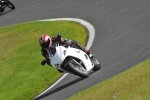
<point>62,53</point>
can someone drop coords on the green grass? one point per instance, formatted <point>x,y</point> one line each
<point>133,84</point>
<point>21,75</point>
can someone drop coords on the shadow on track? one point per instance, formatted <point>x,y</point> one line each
<point>5,12</point>
<point>58,89</point>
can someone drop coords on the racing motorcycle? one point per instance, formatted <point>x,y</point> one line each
<point>72,60</point>
<point>4,4</point>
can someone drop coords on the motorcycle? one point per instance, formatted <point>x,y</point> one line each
<point>4,4</point>
<point>72,60</point>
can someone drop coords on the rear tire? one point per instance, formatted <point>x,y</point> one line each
<point>72,68</point>
<point>97,65</point>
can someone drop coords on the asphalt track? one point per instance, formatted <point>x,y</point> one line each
<point>122,36</point>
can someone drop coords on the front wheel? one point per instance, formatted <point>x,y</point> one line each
<point>77,70</point>
<point>9,4</point>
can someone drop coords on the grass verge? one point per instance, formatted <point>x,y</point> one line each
<point>22,76</point>
<point>133,84</point>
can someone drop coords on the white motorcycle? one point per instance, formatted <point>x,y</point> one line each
<point>72,60</point>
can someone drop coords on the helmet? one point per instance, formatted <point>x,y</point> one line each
<point>45,41</point>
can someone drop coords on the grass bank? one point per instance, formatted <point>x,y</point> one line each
<point>133,84</point>
<point>22,76</point>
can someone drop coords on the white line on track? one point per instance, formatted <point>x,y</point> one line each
<point>91,32</point>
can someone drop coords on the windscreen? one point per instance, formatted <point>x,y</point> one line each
<point>51,51</point>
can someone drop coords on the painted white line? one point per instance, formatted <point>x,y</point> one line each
<point>61,78</point>
<point>91,32</point>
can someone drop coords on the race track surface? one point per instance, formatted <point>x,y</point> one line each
<point>122,36</point>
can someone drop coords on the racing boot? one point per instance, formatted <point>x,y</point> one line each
<point>89,54</point>
<point>43,62</point>
<point>84,49</point>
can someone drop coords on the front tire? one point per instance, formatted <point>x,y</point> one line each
<point>74,69</point>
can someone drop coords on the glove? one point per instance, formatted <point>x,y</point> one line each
<point>58,38</point>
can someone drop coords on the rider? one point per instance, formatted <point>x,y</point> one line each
<point>46,42</point>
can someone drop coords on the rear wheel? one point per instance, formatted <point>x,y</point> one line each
<point>77,70</point>
<point>97,65</point>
